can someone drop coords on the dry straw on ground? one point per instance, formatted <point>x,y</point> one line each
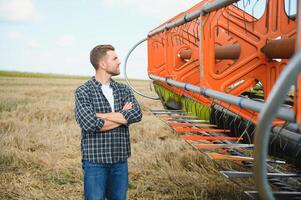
<point>40,149</point>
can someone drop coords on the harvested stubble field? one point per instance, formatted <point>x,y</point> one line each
<point>40,149</point>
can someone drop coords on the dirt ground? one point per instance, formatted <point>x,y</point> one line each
<point>40,149</point>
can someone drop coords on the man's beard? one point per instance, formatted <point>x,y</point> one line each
<point>114,73</point>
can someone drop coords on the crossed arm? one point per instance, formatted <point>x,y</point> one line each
<point>90,121</point>
<point>114,119</point>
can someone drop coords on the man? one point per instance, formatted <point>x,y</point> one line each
<point>104,109</point>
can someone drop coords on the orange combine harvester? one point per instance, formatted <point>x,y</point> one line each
<point>230,68</point>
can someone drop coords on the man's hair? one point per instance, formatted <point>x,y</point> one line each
<point>98,53</point>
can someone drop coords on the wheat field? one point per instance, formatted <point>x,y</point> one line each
<point>40,149</point>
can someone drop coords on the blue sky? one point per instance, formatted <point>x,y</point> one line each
<point>56,36</point>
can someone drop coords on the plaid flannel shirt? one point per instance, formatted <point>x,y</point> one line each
<point>110,146</point>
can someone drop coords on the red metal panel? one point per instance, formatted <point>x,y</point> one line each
<point>199,137</point>
<point>195,130</point>
<point>227,26</point>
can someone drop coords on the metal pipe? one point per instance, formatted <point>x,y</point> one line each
<point>227,52</point>
<point>126,76</point>
<point>217,5</point>
<point>201,23</point>
<point>221,52</point>
<point>283,113</point>
<point>266,117</point>
<point>276,97</point>
<point>280,49</point>
<point>185,54</point>
<point>189,17</point>
<point>298,44</point>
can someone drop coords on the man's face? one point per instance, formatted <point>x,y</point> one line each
<point>111,63</point>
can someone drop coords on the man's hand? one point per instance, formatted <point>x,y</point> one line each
<point>114,119</point>
<point>127,106</point>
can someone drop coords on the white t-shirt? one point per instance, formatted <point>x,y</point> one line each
<point>108,92</point>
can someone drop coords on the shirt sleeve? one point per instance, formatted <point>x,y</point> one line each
<point>132,115</point>
<point>84,113</point>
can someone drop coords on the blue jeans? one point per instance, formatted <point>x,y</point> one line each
<point>105,180</point>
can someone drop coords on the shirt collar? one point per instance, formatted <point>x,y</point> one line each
<point>98,84</point>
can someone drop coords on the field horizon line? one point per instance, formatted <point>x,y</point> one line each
<point>21,74</point>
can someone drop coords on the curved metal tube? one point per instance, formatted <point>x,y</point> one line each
<point>266,117</point>
<point>125,74</point>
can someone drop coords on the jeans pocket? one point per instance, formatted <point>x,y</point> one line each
<point>93,169</point>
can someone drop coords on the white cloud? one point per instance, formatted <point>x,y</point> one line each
<point>154,8</point>
<point>66,40</point>
<point>46,55</point>
<point>14,35</point>
<point>17,10</point>
<point>21,38</point>
<point>33,44</point>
